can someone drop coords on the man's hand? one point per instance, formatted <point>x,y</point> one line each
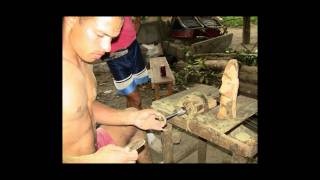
<point>114,154</point>
<point>146,119</point>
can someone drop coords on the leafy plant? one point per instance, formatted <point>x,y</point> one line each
<point>245,56</point>
<point>197,72</point>
<point>237,21</point>
<point>247,59</point>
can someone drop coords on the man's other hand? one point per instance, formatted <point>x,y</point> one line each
<point>114,154</point>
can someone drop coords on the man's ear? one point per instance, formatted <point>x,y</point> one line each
<point>71,20</point>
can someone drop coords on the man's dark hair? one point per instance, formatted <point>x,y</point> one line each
<point>83,18</point>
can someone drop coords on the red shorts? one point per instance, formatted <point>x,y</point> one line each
<point>103,138</point>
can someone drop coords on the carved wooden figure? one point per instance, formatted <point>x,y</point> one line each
<point>229,91</point>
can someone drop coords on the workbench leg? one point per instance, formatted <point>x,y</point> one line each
<point>202,150</point>
<point>170,88</point>
<point>167,144</point>
<point>238,159</point>
<point>157,91</point>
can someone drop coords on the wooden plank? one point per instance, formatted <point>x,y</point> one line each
<point>248,137</point>
<point>246,107</point>
<point>155,64</point>
<point>216,137</point>
<point>244,135</point>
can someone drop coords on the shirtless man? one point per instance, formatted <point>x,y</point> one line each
<point>86,39</point>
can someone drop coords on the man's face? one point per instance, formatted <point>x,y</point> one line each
<point>91,37</point>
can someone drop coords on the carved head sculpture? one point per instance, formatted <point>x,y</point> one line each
<point>228,91</point>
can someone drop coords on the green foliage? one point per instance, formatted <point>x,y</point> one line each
<point>237,21</point>
<point>245,57</point>
<point>197,72</point>
<point>254,19</point>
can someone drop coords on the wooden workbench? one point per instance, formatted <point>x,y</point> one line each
<point>223,133</point>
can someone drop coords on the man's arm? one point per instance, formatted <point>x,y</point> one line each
<point>144,119</point>
<point>110,116</point>
<point>77,159</point>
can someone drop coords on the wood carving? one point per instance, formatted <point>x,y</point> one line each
<point>229,91</point>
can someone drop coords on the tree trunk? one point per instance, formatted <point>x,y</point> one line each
<point>246,30</point>
<point>221,64</point>
<point>214,54</point>
<point>249,69</point>
<point>216,64</point>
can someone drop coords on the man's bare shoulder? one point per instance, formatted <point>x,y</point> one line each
<point>74,91</point>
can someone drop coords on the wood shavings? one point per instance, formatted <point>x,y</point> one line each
<point>194,103</point>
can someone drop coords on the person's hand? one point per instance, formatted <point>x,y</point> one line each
<point>149,119</point>
<point>114,154</point>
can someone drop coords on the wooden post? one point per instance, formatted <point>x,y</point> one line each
<point>202,150</point>
<point>246,30</point>
<point>167,145</point>
<point>157,91</point>
<point>169,88</point>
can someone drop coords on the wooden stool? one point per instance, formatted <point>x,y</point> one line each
<point>157,80</point>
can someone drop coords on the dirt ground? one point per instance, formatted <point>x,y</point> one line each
<point>106,93</point>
